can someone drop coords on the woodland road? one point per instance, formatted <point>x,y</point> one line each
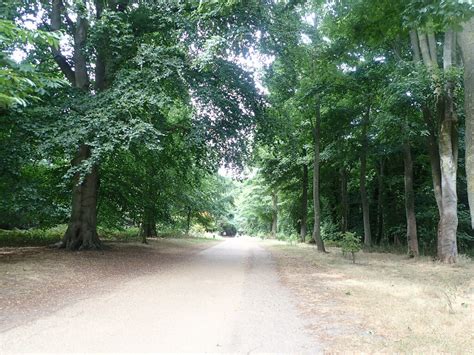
<point>226,298</point>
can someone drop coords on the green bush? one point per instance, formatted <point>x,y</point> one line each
<point>198,229</point>
<point>228,229</point>
<point>351,244</point>
<point>31,237</point>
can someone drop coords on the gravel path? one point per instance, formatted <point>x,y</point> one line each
<point>224,299</point>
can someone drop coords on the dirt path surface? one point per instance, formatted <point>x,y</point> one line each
<point>226,298</point>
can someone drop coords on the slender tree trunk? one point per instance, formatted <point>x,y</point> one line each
<point>304,204</point>
<point>466,42</point>
<point>344,201</point>
<point>412,237</point>
<point>433,152</point>
<point>380,202</point>
<point>188,220</point>
<point>316,200</point>
<point>274,214</point>
<point>363,190</point>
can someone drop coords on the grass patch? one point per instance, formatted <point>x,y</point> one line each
<point>45,237</point>
<point>31,237</point>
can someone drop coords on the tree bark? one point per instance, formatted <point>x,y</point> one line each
<point>100,66</point>
<point>380,202</point>
<point>443,146</point>
<point>148,227</point>
<point>415,47</point>
<point>412,237</point>
<point>316,201</point>
<point>448,151</point>
<point>82,228</point>
<point>433,152</point>
<point>304,204</point>
<point>466,42</point>
<point>188,220</point>
<point>274,214</point>
<point>344,201</point>
<point>363,190</point>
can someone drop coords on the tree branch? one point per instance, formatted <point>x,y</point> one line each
<point>448,49</point>
<point>57,55</point>
<point>425,51</point>
<point>415,47</point>
<point>432,46</point>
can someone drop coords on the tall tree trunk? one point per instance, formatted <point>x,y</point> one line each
<point>82,228</point>
<point>363,190</point>
<point>380,202</point>
<point>466,42</point>
<point>304,204</point>
<point>274,214</point>
<point>344,201</point>
<point>412,237</point>
<point>316,201</point>
<point>448,151</point>
<point>446,146</point>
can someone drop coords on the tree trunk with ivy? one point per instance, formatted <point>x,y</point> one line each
<point>82,228</point>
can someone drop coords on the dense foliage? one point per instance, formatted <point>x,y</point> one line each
<point>348,118</point>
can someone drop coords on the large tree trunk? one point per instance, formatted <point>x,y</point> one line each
<point>274,214</point>
<point>363,191</point>
<point>466,42</point>
<point>148,227</point>
<point>444,169</point>
<point>447,229</point>
<point>82,229</point>
<point>344,201</point>
<point>304,204</point>
<point>412,238</point>
<point>316,201</point>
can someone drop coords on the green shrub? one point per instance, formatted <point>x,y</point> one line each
<point>31,237</point>
<point>351,244</point>
<point>228,229</point>
<point>293,238</point>
<point>198,229</point>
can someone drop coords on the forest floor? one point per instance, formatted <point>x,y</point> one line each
<point>383,303</point>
